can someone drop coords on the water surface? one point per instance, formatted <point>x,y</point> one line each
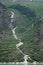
<point>21,64</point>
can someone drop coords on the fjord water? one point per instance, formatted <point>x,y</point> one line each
<point>21,64</point>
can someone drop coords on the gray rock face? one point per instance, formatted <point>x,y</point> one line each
<point>41,46</point>
<point>35,39</point>
<point>41,30</point>
<point>1,16</point>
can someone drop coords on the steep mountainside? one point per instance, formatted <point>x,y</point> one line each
<point>29,21</point>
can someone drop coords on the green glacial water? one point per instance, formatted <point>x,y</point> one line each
<point>21,64</point>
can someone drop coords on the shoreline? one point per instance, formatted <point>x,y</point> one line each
<point>20,63</point>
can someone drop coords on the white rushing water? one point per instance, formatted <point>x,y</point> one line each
<point>12,16</point>
<point>13,30</point>
<point>26,57</point>
<point>19,44</point>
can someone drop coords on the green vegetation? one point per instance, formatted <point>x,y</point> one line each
<point>28,23</point>
<point>37,6</point>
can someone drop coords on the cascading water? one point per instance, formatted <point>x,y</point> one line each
<point>13,30</point>
<point>26,57</point>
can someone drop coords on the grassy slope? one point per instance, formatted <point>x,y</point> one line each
<point>27,35</point>
<point>37,6</point>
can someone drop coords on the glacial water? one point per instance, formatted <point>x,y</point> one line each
<point>21,64</point>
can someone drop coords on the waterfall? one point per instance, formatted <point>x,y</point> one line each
<point>26,57</point>
<point>13,30</point>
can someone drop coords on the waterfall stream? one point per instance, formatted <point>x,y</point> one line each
<point>26,57</point>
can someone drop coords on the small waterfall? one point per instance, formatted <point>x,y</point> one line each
<point>26,57</point>
<point>19,44</point>
<point>13,30</point>
<point>12,16</point>
<point>34,62</point>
